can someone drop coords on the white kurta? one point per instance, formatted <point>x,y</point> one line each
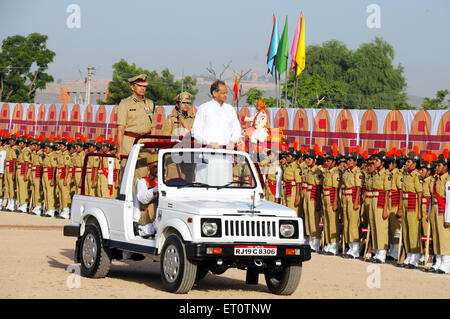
<point>216,124</point>
<point>143,195</point>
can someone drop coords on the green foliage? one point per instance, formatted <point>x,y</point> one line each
<point>336,77</point>
<point>253,95</point>
<point>162,89</point>
<point>23,62</point>
<point>437,102</point>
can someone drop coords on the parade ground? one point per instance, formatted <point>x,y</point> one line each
<point>35,260</point>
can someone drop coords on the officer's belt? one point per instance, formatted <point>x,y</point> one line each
<point>131,134</point>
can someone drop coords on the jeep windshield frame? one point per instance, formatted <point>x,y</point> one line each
<point>207,168</point>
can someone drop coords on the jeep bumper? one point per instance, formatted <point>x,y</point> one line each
<point>289,252</point>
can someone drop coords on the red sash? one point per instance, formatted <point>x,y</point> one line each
<point>288,184</point>
<point>315,192</point>
<point>395,198</point>
<point>272,187</point>
<point>332,194</point>
<point>381,197</point>
<point>412,201</point>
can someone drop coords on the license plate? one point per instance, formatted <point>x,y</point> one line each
<point>255,250</point>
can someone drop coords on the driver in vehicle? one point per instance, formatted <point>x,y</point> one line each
<point>145,200</point>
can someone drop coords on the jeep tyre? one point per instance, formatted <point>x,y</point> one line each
<point>177,271</point>
<point>284,282</point>
<point>94,257</point>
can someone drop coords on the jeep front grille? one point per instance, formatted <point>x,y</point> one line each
<point>250,228</point>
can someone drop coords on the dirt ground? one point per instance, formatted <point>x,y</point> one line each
<point>35,256</point>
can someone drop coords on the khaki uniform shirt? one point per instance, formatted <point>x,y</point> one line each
<point>173,126</point>
<point>352,178</point>
<point>412,182</point>
<point>382,180</point>
<point>331,178</point>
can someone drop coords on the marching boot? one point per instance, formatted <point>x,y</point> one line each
<point>50,213</point>
<point>22,208</point>
<point>8,206</point>
<point>37,210</point>
<point>65,214</point>
<point>334,249</point>
<point>393,251</point>
<point>444,268</point>
<point>382,256</point>
<point>315,244</point>
<point>13,205</point>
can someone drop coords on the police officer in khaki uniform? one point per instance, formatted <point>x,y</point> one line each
<point>63,180</point>
<point>179,124</point>
<point>412,187</point>
<point>23,161</point>
<point>330,185</point>
<point>313,182</point>
<point>134,116</point>
<point>12,153</point>
<point>291,181</point>
<point>92,165</point>
<point>441,234</point>
<point>425,170</point>
<point>77,163</point>
<point>49,165</point>
<point>351,187</point>
<point>381,183</point>
<point>36,176</point>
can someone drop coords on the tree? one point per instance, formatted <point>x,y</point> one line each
<point>23,62</point>
<point>162,89</point>
<point>336,77</point>
<point>437,102</point>
<point>253,95</point>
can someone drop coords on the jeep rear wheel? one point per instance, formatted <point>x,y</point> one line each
<point>285,281</point>
<point>177,271</point>
<point>95,259</point>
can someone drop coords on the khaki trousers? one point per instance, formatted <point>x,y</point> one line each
<point>411,229</point>
<point>380,227</point>
<point>441,235</point>
<point>64,193</point>
<point>351,220</point>
<point>394,224</point>
<point>312,217</point>
<point>22,189</point>
<point>36,191</point>
<point>330,221</point>
<point>49,192</point>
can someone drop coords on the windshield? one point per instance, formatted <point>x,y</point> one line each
<point>207,169</point>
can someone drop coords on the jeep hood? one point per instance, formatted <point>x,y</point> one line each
<point>220,207</point>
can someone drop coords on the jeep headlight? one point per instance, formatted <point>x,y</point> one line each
<point>287,230</point>
<point>209,228</point>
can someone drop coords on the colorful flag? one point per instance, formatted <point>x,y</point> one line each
<point>273,46</point>
<point>270,42</point>
<point>301,53</point>
<point>295,43</point>
<point>236,88</point>
<point>283,51</point>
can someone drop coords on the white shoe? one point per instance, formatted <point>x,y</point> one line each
<point>326,248</point>
<point>22,208</point>
<point>438,262</point>
<point>393,251</point>
<point>13,204</point>
<point>50,213</point>
<point>333,248</point>
<point>381,255</point>
<point>422,258</point>
<point>445,264</point>
<point>65,213</point>
<point>9,205</point>
<point>37,210</point>
<point>354,249</point>
<point>146,230</point>
<point>414,260</point>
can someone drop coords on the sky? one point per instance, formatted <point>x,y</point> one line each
<point>185,36</point>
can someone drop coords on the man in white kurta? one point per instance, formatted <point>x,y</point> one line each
<point>215,125</point>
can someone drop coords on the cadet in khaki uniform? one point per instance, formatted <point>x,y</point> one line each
<point>73,153</point>
<point>428,183</point>
<point>381,183</point>
<point>303,169</point>
<point>103,188</point>
<point>330,200</point>
<point>48,177</point>
<point>63,180</point>
<point>291,181</point>
<point>412,187</point>
<point>441,235</point>
<point>35,176</point>
<point>394,205</point>
<point>274,176</point>
<point>179,124</point>
<point>23,161</point>
<point>92,165</point>
<point>135,115</point>
<point>351,188</point>
<point>313,183</point>
<point>367,201</point>
<point>77,163</point>
<point>12,153</point>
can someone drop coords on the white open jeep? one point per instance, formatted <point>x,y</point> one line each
<point>211,216</point>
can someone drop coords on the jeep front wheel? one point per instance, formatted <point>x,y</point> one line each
<point>177,271</point>
<point>284,281</point>
<point>95,259</point>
